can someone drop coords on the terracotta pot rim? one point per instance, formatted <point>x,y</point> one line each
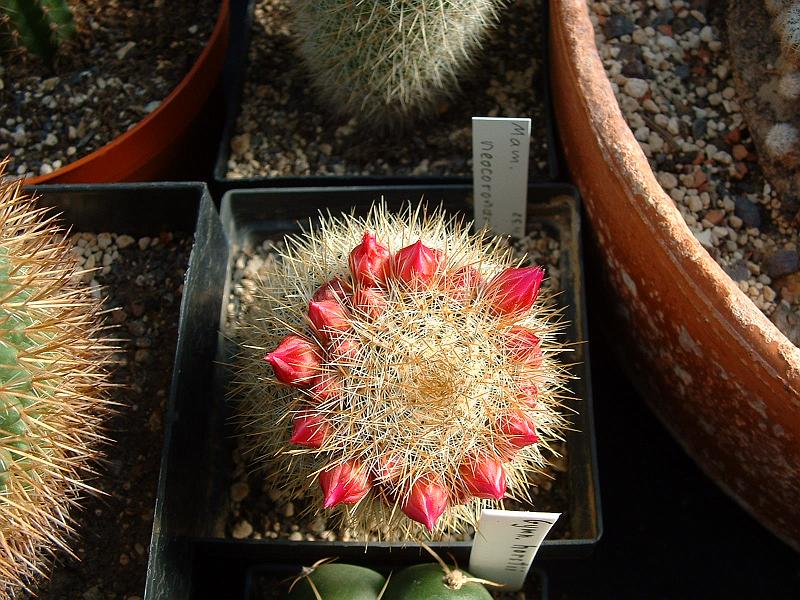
<point>219,32</point>
<point>735,311</point>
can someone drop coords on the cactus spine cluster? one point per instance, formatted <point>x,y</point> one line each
<point>782,140</point>
<point>52,389</point>
<point>402,370</point>
<point>40,26</point>
<point>389,62</point>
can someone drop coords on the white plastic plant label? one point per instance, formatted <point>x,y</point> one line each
<point>506,543</point>
<point>500,148</point>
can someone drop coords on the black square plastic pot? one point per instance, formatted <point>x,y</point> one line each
<point>196,475</point>
<point>136,209</point>
<point>234,79</point>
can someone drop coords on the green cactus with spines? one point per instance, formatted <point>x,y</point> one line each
<point>388,63</point>
<point>401,371</point>
<point>40,26</point>
<point>53,389</point>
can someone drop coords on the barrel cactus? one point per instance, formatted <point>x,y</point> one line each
<point>388,62</point>
<point>401,371</point>
<point>40,26</point>
<point>52,389</point>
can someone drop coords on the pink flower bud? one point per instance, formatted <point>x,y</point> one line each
<point>370,261</point>
<point>515,290</point>
<point>462,283</point>
<point>334,290</point>
<point>529,394</point>
<point>519,429</point>
<point>328,317</point>
<point>524,346</point>
<point>295,361</point>
<point>346,483</point>
<point>343,350</point>
<point>427,501</point>
<point>309,429</point>
<point>371,301</point>
<point>416,265</point>
<point>326,386</point>
<point>484,478</point>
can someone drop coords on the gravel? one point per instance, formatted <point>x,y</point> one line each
<point>126,58</point>
<point>691,128</point>
<point>258,511</point>
<point>280,130</point>
<point>142,290</point>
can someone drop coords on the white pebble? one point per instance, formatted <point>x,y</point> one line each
<point>695,204</point>
<point>636,88</point>
<point>667,180</point>
<point>123,241</point>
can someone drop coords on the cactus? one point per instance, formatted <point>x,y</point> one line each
<point>783,143</point>
<point>52,389</point>
<point>336,581</point>
<point>389,62</point>
<point>400,371</point>
<point>786,24</point>
<point>776,6</point>
<point>38,25</point>
<point>435,580</point>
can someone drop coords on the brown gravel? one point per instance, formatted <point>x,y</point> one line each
<point>669,65</point>
<point>141,281</point>
<point>127,57</point>
<point>281,131</point>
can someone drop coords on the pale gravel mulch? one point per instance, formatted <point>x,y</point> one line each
<point>668,65</point>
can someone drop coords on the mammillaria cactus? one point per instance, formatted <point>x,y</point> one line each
<point>402,370</point>
<point>39,25</point>
<point>52,390</point>
<point>767,85</point>
<point>388,62</point>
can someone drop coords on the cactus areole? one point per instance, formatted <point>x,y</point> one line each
<point>420,387</point>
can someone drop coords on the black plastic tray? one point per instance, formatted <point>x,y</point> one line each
<point>195,477</point>
<point>233,79</point>
<point>134,208</point>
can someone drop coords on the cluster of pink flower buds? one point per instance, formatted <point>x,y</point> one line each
<point>301,362</point>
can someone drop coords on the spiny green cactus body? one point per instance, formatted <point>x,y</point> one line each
<point>388,62</point>
<point>337,581</point>
<point>40,26</point>
<point>412,379</point>
<point>52,390</point>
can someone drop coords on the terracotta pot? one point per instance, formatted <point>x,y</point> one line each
<point>716,371</point>
<point>155,145</point>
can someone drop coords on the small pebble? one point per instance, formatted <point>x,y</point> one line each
<point>123,241</point>
<point>242,530</point>
<point>782,262</point>
<point>636,88</point>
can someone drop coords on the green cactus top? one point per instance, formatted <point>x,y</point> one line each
<point>40,26</point>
